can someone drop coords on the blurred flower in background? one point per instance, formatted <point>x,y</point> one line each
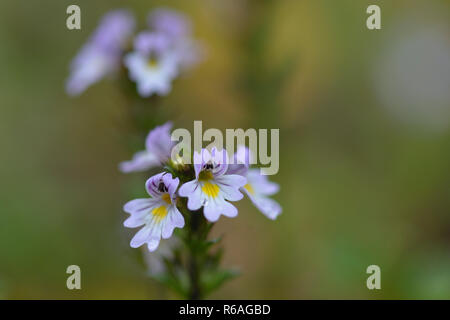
<point>412,75</point>
<point>158,57</point>
<point>101,55</point>
<point>169,22</point>
<point>153,65</point>
<point>177,28</point>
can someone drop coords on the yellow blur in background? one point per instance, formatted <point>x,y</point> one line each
<point>364,120</point>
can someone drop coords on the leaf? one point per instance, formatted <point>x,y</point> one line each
<point>215,258</point>
<point>170,282</point>
<point>204,246</point>
<point>213,280</point>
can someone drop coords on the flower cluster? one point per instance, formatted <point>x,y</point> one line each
<point>154,57</point>
<point>210,184</point>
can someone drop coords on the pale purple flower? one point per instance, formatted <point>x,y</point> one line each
<point>170,22</point>
<point>212,188</point>
<point>153,64</point>
<point>101,55</point>
<point>177,28</point>
<point>158,214</point>
<point>114,30</point>
<point>258,187</point>
<point>240,162</point>
<point>158,147</point>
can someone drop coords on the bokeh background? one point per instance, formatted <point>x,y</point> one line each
<point>364,120</point>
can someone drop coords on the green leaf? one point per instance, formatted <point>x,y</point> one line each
<point>171,282</point>
<point>213,280</point>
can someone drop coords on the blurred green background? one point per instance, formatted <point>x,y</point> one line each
<point>364,162</point>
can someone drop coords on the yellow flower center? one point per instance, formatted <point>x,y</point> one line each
<point>249,188</point>
<point>152,63</point>
<point>159,213</point>
<point>210,189</point>
<point>166,198</point>
<point>205,175</point>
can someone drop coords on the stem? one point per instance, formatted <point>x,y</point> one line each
<point>194,266</point>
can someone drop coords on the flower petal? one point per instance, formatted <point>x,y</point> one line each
<point>230,193</point>
<point>261,183</point>
<point>153,244</point>
<point>188,188</point>
<point>269,207</point>
<point>229,210</point>
<point>214,208</point>
<point>142,160</point>
<point>152,185</point>
<point>173,220</point>
<point>200,158</point>
<point>170,22</point>
<point>232,180</point>
<point>240,161</point>
<point>159,140</point>
<point>171,184</point>
<point>137,205</point>
<point>137,219</point>
<point>141,237</point>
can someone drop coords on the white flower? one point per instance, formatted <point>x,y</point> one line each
<point>158,215</point>
<point>212,188</point>
<point>153,65</point>
<point>102,54</point>
<point>258,187</point>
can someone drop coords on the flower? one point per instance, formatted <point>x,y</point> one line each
<point>212,187</point>
<point>177,29</point>
<point>158,146</point>
<point>153,64</point>
<point>412,75</point>
<point>101,55</point>
<point>170,22</point>
<point>158,215</point>
<point>240,162</point>
<point>258,186</point>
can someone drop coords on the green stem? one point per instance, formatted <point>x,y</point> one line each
<point>194,268</point>
<point>194,263</point>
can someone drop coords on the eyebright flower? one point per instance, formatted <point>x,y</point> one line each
<point>158,147</point>
<point>153,65</point>
<point>101,55</point>
<point>241,161</point>
<point>158,215</point>
<point>177,29</point>
<point>258,187</point>
<point>212,188</point>
<point>170,22</point>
